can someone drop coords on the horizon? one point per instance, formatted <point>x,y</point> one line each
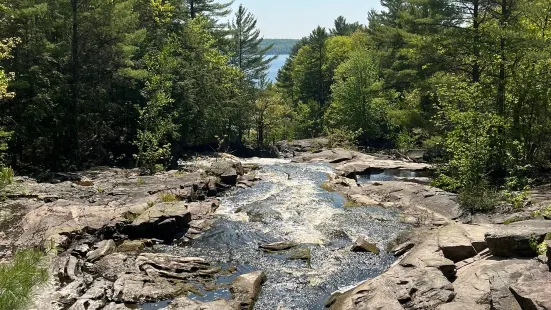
<point>279,20</point>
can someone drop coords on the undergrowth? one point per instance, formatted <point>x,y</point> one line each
<point>19,278</point>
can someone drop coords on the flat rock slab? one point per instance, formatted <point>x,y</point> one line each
<point>332,156</point>
<point>517,239</point>
<point>455,243</point>
<point>184,303</point>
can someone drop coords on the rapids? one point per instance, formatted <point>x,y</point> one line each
<point>289,204</point>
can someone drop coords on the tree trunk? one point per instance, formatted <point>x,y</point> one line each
<point>73,109</point>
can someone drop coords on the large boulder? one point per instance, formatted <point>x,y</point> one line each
<point>163,221</point>
<point>332,156</point>
<point>362,244</point>
<point>419,281</point>
<point>518,239</point>
<point>245,288</point>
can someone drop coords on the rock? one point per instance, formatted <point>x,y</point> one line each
<point>245,288</point>
<point>333,156</point>
<point>136,288</point>
<point>476,234</point>
<point>278,246</point>
<point>428,254</point>
<point>115,264</point>
<point>100,289</point>
<point>102,249</point>
<point>533,291</point>
<point>300,254</point>
<point>133,246</point>
<point>517,239</point>
<point>184,303</point>
<point>363,245</point>
<point>548,253</point>
<point>115,306</point>
<point>174,267</point>
<point>461,306</point>
<point>67,268</point>
<point>69,294</point>
<point>229,177</point>
<point>87,304</point>
<point>454,243</point>
<point>403,248</point>
<point>291,148</point>
<point>163,221</point>
<point>81,249</point>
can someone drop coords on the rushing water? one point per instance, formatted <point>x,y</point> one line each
<point>290,205</point>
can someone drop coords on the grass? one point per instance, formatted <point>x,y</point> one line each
<point>19,278</point>
<point>168,197</point>
<point>479,199</point>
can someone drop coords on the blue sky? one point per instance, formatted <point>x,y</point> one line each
<point>294,19</point>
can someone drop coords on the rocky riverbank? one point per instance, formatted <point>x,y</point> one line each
<point>104,227</point>
<point>444,263</point>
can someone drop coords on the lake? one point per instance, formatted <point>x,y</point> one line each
<point>275,66</point>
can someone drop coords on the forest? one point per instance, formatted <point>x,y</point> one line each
<point>140,82</point>
<point>279,46</point>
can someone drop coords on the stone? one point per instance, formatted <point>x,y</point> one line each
<point>333,156</point>
<point>454,243</point>
<point>110,266</point>
<point>477,234</point>
<point>115,306</point>
<point>163,221</point>
<point>174,267</point>
<point>67,268</point>
<point>462,306</point>
<point>245,288</point>
<point>71,292</point>
<point>363,245</point>
<point>100,289</point>
<point>184,303</point>
<point>102,249</point>
<point>278,246</point>
<point>548,253</point>
<point>229,177</point>
<point>133,246</point>
<point>82,249</point>
<point>402,249</point>
<point>517,239</point>
<point>533,290</point>
<point>136,288</point>
<point>87,304</point>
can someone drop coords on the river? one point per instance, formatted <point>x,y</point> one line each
<point>289,204</point>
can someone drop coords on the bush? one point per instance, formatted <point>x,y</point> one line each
<point>6,176</point>
<point>479,199</point>
<point>19,278</point>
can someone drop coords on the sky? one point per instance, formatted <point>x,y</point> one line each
<point>294,19</point>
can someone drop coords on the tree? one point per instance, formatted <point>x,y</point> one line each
<point>343,28</point>
<point>247,54</point>
<point>356,104</point>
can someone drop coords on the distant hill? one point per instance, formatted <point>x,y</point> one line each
<point>281,46</point>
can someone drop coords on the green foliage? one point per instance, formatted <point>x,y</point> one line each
<point>6,176</point>
<point>518,199</point>
<point>341,138</point>
<point>539,248</point>
<point>20,277</point>
<point>479,198</point>
<point>168,197</point>
<point>278,46</point>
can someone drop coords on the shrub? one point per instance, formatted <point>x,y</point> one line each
<point>18,278</point>
<point>6,176</point>
<point>168,197</point>
<point>481,198</point>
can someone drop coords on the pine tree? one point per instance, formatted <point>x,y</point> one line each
<point>247,54</point>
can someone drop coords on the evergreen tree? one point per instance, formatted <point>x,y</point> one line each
<point>247,54</point>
